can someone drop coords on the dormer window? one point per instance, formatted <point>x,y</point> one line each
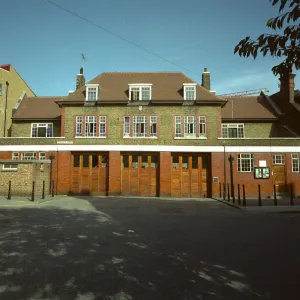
<point>189,91</point>
<point>92,91</point>
<point>140,92</point>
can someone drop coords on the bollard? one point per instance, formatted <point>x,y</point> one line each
<point>244,196</point>
<point>275,196</point>
<point>43,191</point>
<point>292,196</point>
<point>220,188</point>
<point>52,188</point>
<point>224,191</point>
<point>232,192</point>
<point>228,195</point>
<point>239,195</point>
<point>9,190</point>
<point>32,194</point>
<point>259,196</point>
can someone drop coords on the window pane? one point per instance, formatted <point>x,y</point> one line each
<point>135,161</point>
<point>104,161</point>
<point>125,161</point>
<point>95,161</point>
<point>194,162</point>
<point>185,162</point>
<point>85,161</point>
<point>126,126</point>
<point>145,161</point>
<point>76,162</point>
<point>41,132</point>
<point>175,163</point>
<point>204,162</point>
<point>153,161</point>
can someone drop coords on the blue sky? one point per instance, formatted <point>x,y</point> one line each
<point>45,43</point>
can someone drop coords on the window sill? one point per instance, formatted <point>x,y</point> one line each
<point>7,170</point>
<point>90,137</point>
<point>140,137</point>
<point>191,138</point>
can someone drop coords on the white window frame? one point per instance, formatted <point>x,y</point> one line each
<point>188,121</point>
<point>36,126</point>
<point>42,155</point>
<point>91,86</point>
<point>153,120</point>
<point>244,157</point>
<point>237,126</point>
<point>10,167</point>
<point>178,133</point>
<point>90,120</point>
<point>188,87</point>
<point>139,88</point>
<point>15,156</point>
<point>79,123</point>
<point>126,127</point>
<point>278,159</point>
<point>138,120</point>
<point>23,156</point>
<point>202,125</point>
<point>295,163</point>
<point>102,124</point>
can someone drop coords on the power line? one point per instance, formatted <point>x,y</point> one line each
<point>120,37</point>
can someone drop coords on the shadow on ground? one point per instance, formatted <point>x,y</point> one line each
<point>51,253</point>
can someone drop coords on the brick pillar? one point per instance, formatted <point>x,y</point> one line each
<point>165,174</point>
<point>114,173</point>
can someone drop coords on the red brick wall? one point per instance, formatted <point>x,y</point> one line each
<point>165,174</point>
<point>114,173</point>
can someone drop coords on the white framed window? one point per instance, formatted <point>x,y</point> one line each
<point>202,126</point>
<point>245,162</point>
<point>140,126</point>
<point>153,126</point>
<point>278,159</point>
<point>178,131</point>
<point>190,92</point>
<point>79,120</point>
<point>9,167</point>
<point>28,155</point>
<point>42,156</point>
<point>189,126</point>
<point>92,92</point>
<point>15,155</point>
<point>295,163</point>
<point>126,126</point>
<point>102,126</point>
<point>233,131</point>
<point>90,126</point>
<point>41,130</point>
<point>140,92</point>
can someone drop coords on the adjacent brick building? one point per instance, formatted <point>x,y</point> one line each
<point>157,134</point>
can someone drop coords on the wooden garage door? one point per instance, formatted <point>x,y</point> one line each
<point>139,174</point>
<point>189,176</point>
<point>89,174</point>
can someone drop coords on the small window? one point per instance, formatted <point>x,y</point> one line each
<point>126,126</point>
<point>153,123</point>
<point>42,156</point>
<point>90,126</point>
<point>295,163</point>
<point>245,162</point>
<point>79,120</point>
<point>10,166</point>
<point>95,161</point>
<point>41,130</point>
<point>185,162</point>
<point>175,162</point>
<point>278,159</point>
<point>190,92</point>
<point>125,161</point>
<point>144,161</point>
<point>140,93</point>
<point>154,161</point>
<point>194,162</point>
<point>104,161</point>
<point>92,92</point>
<point>85,161</point>
<point>202,126</point>
<point>102,126</point>
<point>135,161</point>
<point>233,131</point>
<point>28,156</point>
<point>76,161</point>
<point>15,156</point>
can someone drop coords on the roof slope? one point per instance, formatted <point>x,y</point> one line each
<point>38,108</point>
<point>165,86</point>
<point>249,107</point>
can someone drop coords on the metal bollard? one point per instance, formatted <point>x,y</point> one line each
<point>292,196</point>
<point>228,195</point>
<point>239,195</point>
<point>275,196</point>
<point>224,191</point>
<point>32,193</point>
<point>244,196</point>
<point>52,188</point>
<point>9,190</point>
<point>220,188</point>
<point>259,196</point>
<point>232,191</point>
<point>43,191</point>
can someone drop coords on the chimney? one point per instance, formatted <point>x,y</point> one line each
<point>287,87</point>
<point>80,80</point>
<point>206,79</point>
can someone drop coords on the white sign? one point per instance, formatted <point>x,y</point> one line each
<point>262,163</point>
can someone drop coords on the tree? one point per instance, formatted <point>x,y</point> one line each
<point>285,45</point>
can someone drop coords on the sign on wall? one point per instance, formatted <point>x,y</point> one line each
<point>261,173</point>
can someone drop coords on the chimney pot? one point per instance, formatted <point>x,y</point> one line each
<point>205,70</point>
<point>81,71</point>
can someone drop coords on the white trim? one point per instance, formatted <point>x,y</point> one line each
<point>90,137</point>
<point>140,137</point>
<point>38,125</point>
<point>190,84</point>
<point>184,91</point>
<point>150,148</point>
<point>140,86</point>
<point>191,138</point>
<point>91,85</point>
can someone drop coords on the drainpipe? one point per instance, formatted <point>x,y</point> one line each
<point>4,130</point>
<point>225,183</point>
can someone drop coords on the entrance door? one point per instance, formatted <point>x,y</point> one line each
<point>89,174</point>
<point>278,176</point>
<point>189,176</point>
<point>139,174</point>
